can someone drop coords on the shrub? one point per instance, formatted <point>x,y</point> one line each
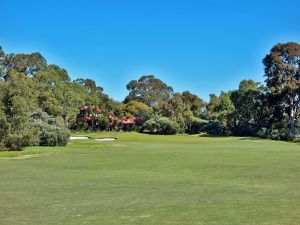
<point>48,132</point>
<point>276,134</point>
<point>263,133</point>
<point>214,127</point>
<point>15,142</point>
<point>103,123</point>
<point>54,136</point>
<point>196,126</point>
<point>2,146</point>
<point>48,138</point>
<point>161,125</point>
<point>297,138</point>
<point>63,136</point>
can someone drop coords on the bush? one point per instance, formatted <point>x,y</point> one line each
<point>14,142</point>
<point>161,125</point>
<point>48,132</point>
<point>214,127</point>
<point>263,133</point>
<point>276,134</point>
<point>297,138</point>
<point>17,141</point>
<point>54,136</point>
<point>196,126</point>
<point>102,123</point>
<point>2,146</point>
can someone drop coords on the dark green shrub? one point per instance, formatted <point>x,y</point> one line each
<point>263,133</point>
<point>196,126</point>
<point>276,134</point>
<point>214,127</point>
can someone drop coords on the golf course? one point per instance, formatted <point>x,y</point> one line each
<point>152,179</point>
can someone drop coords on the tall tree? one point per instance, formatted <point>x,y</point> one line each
<point>28,64</point>
<point>247,85</point>
<point>252,110</point>
<point>194,102</point>
<point>282,70</point>
<point>90,85</point>
<point>149,90</point>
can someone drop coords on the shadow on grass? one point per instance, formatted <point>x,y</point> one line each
<point>249,139</point>
<point>227,136</point>
<point>212,135</point>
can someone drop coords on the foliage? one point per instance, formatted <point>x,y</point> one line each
<point>53,136</point>
<point>282,73</point>
<point>196,126</point>
<point>149,90</point>
<point>39,102</point>
<point>160,125</point>
<point>276,134</point>
<point>195,103</point>
<point>214,127</point>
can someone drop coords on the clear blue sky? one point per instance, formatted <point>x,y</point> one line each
<point>201,46</point>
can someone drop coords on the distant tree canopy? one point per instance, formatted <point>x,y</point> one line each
<point>149,90</point>
<point>248,85</point>
<point>39,103</point>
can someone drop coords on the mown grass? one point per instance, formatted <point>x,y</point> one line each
<point>145,179</point>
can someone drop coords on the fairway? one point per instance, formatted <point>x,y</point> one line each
<point>151,179</point>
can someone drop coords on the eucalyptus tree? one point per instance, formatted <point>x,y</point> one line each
<point>282,72</point>
<point>149,90</point>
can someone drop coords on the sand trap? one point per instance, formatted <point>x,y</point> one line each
<point>105,139</point>
<point>79,138</point>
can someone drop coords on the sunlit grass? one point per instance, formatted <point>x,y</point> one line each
<point>149,179</point>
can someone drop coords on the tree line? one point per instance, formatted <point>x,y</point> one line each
<point>40,104</point>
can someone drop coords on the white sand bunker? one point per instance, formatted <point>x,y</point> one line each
<point>105,139</point>
<point>79,138</point>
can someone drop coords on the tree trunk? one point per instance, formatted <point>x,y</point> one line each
<point>66,120</point>
<point>292,119</point>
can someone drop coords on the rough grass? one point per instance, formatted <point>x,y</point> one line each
<point>143,179</point>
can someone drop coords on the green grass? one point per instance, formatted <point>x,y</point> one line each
<point>143,179</point>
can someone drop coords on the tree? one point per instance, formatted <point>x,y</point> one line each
<point>58,96</point>
<point>28,64</point>
<point>2,57</point>
<point>134,108</point>
<point>252,110</point>
<point>247,85</point>
<point>90,85</point>
<point>149,90</point>
<point>282,72</point>
<point>178,110</point>
<point>194,102</point>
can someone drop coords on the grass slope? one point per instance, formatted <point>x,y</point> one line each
<point>143,179</point>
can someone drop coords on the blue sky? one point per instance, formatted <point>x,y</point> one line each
<point>201,46</point>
